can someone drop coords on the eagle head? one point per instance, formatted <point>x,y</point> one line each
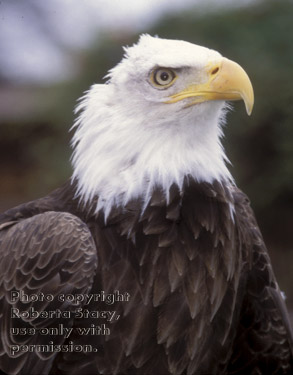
<point>155,121</point>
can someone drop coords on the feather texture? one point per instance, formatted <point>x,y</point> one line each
<point>49,253</point>
<point>203,297</point>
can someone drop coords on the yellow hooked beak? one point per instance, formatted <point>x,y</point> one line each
<point>226,81</point>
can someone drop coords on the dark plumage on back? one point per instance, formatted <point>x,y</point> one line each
<point>182,243</point>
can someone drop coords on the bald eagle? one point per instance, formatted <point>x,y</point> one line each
<point>149,260</point>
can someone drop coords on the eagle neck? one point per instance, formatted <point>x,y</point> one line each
<point>120,154</point>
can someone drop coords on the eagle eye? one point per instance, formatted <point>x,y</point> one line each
<point>163,77</point>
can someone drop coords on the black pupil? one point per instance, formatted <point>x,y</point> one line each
<point>164,76</point>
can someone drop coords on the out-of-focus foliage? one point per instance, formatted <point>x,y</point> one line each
<point>34,146</point>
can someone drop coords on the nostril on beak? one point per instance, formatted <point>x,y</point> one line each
<point>215,70</point>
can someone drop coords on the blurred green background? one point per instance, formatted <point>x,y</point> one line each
<point>36,117</point>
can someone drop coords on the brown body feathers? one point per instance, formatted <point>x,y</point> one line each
<point>203,296</point>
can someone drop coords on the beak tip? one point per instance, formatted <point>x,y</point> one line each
<point>249,106</point>
<point>249,100</point>
<point>249,111</point>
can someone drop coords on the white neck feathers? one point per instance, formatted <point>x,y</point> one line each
<point>123,152</point>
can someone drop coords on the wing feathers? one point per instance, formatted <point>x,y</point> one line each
<point>48,253</point>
